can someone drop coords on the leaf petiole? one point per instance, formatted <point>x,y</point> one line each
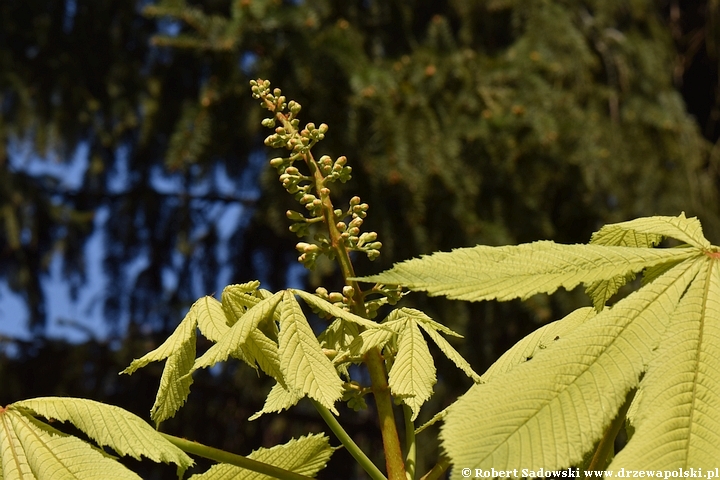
<point>349,443</point>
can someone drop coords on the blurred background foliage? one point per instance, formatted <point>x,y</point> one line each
<point>465,121</point>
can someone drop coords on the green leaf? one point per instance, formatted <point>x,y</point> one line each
<point>304,456</point>
<point>30,449</point>
<point>520,271</point>
<point>238,333</point>
<point>259,349</point>
<point>211,318</point>
<point>450,352</point>
<point>618,235</point>
<point>339,334</point>
<point>543,338</point>
<point>412,375</point>
<point>177,341</point>
<point>548,412</point>
<point>279,399</point>
<point>369,339</point>
<point>174,382</point>
<point>329,308</point>
<point>304,365</point>
<point>524,350</point>
<point>648,232</point>
<point>108,425</point>
<point>677,419</point>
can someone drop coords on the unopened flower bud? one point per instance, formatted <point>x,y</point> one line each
<point>301,246</point>
<point>294,216</point>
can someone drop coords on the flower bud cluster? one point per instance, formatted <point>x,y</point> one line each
<point>353,395</point>
<point>350,232</point>
<point>310,190</point>
<point>342,300</point>
<point>309,252</point>
<point>333,171</point>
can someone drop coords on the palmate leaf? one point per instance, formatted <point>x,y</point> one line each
<point>520,271</point>
<point>305,367</point>
<point>32,450</point>
<point>304,456</point>
<point>107,425</point>
<point>548,412</point>
<point>677,421</point>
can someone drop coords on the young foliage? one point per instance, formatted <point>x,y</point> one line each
<point>554,400</point>
<point>550,399</point>
<point>30,448</point>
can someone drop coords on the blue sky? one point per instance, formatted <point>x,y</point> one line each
<point>77,320</point>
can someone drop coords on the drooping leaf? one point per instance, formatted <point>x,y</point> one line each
<point>652,273</point>
<point>259,349</point>
<point>177,341</point>
<point>521,352</point>
<point>412,375</point>
<point>238,333</point>
<point>211,318</point>
<point>28,450</point>
<point>238,299</point>
<point>450,352</point>
<point>548,412</point>
<point>642,233</point>
<point>305,456</point>
<point>329,308</point>
<point>677,419</point>
<point>432,327</point>
<point>304,365</point>
<point>174,382</point>
<point>108,425</point>
<point>279,399</point>
<point>520,271</point>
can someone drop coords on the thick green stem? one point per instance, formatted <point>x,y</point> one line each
<point>238,460</point>
<point>410,445</point>
<point>383,402</point>
<point>600,459</point>
<point>349,444</point>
